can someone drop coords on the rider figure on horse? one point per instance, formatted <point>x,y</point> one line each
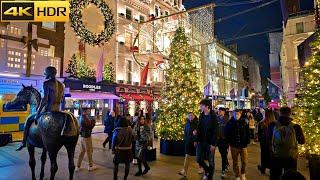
<point>51,101</point>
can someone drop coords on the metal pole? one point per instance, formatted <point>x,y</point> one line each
<point>29,50</point>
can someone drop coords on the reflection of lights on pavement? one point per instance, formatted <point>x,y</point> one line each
<point>9,75</point>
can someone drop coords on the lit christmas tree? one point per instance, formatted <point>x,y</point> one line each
<point>181,92</point>
<point>73,66</point>
<point>78,68</point>
<point>108,73</point>
<point>307,110</point>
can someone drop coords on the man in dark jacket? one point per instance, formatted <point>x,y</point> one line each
<point>285,150</point>
<point>206,137</point>
<point>222,141</point>
<point>109,126</point>
<point>238,135</point>
<point>189,139</point>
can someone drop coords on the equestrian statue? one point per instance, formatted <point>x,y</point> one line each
<point>48,127</point>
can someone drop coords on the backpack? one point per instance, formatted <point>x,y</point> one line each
<point>284,142</point>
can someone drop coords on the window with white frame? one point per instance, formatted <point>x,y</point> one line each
<point>142,18</point>
<point>157,10</point>
<point>128,13</point>
<point>226,59</point>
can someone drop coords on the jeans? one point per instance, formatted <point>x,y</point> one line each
<point>235,152</point>
<point>278,165</point>
<point>223,149</point>
<point>203,150</point>
<point>85,146</point>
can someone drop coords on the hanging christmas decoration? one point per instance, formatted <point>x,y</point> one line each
<point>76,7</point>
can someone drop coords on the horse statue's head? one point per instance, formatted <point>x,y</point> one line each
<point>27,95</point>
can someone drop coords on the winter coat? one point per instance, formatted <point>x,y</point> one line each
<point>207,133</point>
<point>265,134</point>
<point>142,135</point>
<point>237,133</point>
<point>86,126</point>
<point>122,145</point>
<point>222,122</point>
<point>109,124</point>
<point>189,138</point>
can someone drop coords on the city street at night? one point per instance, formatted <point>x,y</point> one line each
<point>14,165</point>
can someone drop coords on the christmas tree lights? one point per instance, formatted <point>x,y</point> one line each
<point>78,68</point>
<point>181,92</point>
<point>108,73</point>
<point>307,104</point>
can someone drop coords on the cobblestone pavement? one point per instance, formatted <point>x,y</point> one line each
<point>14,165</point>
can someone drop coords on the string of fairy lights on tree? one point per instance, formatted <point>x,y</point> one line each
<point>181,91</point>
<point>76,7</point>
<point>108,73</point>
<point>307,109</point>
<point>78,68</point>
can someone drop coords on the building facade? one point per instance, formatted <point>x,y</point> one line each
<point>120,50</point>
<point>275,41</point>
<point>48,40</point>
<point>298,28</point>
<point>251,71</point>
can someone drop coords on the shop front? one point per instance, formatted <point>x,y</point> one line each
<point>99,97</point>
<point>136,99</point>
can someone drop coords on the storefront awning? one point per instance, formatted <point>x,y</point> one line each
<point>137,97</point>
<point>147,97</point>
<point>92,95</point>
<point>125,96</point>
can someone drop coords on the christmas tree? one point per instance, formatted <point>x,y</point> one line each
<point>73,66</point>
<point>181,92</point>
<point>78,68</point>
<point>108,73</point>
<point>307,104</point>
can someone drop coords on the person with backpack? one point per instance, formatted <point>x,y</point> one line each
<point>285,139</point>
<point>238,136</point>
<point>223,144</point>
<point>122,147</point>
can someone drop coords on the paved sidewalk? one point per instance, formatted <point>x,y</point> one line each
<point>14,165</point>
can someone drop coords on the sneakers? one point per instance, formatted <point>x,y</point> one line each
<point>223,174</point>
<point>205,176</point>
<point>92,168</point>
<point>78,169</point>
<point>200,171</point>
<point>243,177</point>
<point>182,173</point>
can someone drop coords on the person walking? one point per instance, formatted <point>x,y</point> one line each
<point>206,138</point>
<point>109,126</point>
<point>252,126</point>
<point>265,128</point>
<point>223,144</point>
<point>142,133</point>
<point>285,139</point>
<point>189,140</point>
<point>122,147</point>
<point>238,136</point>
<point>86,126</point>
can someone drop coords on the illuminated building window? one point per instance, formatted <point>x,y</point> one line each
<point>24,66</point>
<point>51,51</point>
<point>43,52</point>
<point>33,56</point>
<point>299,27</point>
<point>157,10</point>
<point>33,62</point>
<point>24,61</point>
<point>226,59</point>
<point>128,39</point>
<point>25,55</point>
<point>32,67</point>
<point>2,42</point>
<point>3,31</point>
<point>128,14</point>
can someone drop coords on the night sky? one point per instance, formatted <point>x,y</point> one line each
<point>258,20</point>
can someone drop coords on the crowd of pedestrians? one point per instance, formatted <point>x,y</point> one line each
<point>216,129</point>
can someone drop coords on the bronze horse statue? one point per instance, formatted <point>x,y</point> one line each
<point>53,130</point>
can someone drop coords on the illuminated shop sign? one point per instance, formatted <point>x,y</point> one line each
<point>91,87</point>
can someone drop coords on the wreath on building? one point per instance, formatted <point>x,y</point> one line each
<point>76,7</point>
